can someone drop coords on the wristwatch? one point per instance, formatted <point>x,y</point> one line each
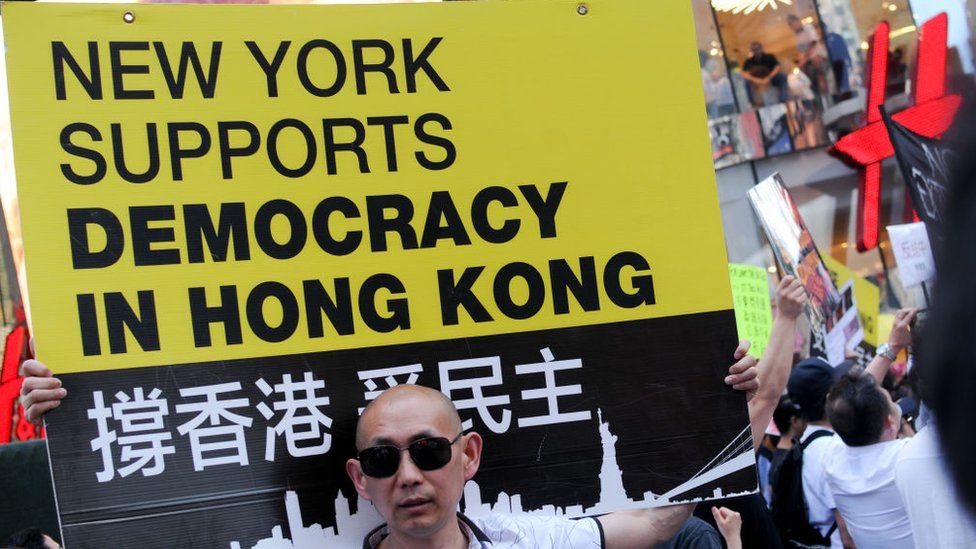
<point>886,351</point>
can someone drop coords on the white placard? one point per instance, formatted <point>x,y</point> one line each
<point>910,244</point>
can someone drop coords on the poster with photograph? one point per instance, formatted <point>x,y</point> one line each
<point>795,249</point>
<point>776,129</point>
<point>736,138</point>
<point>806,124</point>
<point>867,294</point>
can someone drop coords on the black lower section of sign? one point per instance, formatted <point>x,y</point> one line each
<point>204,476</point>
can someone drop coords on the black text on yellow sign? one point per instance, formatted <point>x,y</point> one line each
<point>624,280</point>
<point>298,185</point>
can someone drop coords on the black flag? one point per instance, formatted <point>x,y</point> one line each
<point>926,165</point>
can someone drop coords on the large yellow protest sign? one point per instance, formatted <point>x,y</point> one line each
<point>195,186</point>
<point>243,223</point>
<point>866,294</point>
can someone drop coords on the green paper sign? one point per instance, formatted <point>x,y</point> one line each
<point>753,311</point>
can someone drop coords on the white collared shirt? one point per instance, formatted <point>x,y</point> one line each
<point>862,480</point>
<point>819,499</point>
<point>499,531</point>
<point>939,518</point>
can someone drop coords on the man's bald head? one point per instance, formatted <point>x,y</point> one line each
<point>389,399</point>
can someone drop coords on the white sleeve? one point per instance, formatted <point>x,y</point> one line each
<point>826,495</point>
<point>815,475</point>
<point>544,532</point>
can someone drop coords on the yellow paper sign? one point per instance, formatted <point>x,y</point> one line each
<point>198,187</point>
<point>866,294</point>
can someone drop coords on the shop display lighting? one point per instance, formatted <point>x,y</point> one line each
<point>748,6</point>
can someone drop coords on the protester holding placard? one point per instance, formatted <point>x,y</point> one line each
<point>418,495</point>
<point>346,204</point>
<point>774,367</point>
<point>758,528</point>
<point>859,464</point>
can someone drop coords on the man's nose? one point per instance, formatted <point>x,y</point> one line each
<point>409,474</point>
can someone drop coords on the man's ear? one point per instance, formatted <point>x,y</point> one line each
<point>355,471</point>
<point>892,424</point>
<point>471,446</point>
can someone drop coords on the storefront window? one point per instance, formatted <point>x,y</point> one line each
<point>855,20</point>
<point>719,100</point>
<point>777,54</point>
<point>797,73</point>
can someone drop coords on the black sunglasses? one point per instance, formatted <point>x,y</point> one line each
<point>428,454</point>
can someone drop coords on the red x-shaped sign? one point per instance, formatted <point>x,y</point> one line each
<point>930,116</point>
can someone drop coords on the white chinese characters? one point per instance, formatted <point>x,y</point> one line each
<point>213,422</point>
<point>302,422</point>
<point>143,439</point>
<point>223,438</point>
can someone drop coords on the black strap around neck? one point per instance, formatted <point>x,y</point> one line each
<point>478,534</point>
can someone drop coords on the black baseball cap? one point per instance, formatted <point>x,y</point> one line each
<point>810,381</point>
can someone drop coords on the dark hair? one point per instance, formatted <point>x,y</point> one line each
<point>29,538</point>
<point>857,408</point>
<point>918,377</point>
<point>784,413</point>
<point>814,412</point>
<point>950,328</point>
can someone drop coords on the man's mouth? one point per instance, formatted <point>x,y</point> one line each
<point>414,502</point>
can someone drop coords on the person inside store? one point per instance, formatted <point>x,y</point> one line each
<point>815,60</point>
<point>840,61</point>
<point>763,73</point>
<point>414,459</point>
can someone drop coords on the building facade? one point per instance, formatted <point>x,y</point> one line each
<point>783,80</point>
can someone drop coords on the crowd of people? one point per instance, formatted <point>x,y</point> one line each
<point>845,466</point>
<point>820,65</point>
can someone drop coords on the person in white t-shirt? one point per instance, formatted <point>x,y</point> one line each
<point>808,41</point>
<point>808,385</point>
<point>937,515</point>
<point>414,459</point>
<point>859,465</point>
<point>413,462</point>
<point>813,53</point>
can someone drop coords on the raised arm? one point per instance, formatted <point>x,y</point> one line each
<point>777,360</point>
<point>900,338</point>
<point>644,528</point>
